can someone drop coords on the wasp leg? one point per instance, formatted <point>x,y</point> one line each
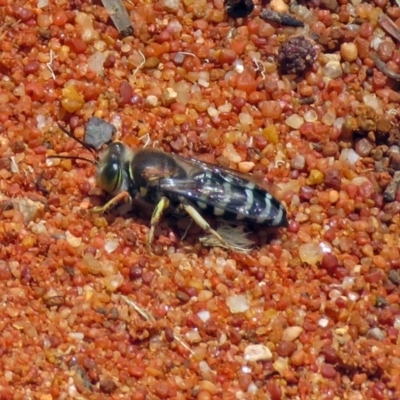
<point>161,206</point>
<point>205,226</point>
<point>125,196</point>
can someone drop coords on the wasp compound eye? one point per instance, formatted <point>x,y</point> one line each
<point>110,174</point>
<point>116,149</point>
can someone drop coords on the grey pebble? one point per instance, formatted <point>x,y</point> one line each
<point>98,132</point>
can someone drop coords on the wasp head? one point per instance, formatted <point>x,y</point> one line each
<point>112,171</point>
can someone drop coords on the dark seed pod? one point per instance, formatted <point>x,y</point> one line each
<point>296,55</point>
<point>239,8</point>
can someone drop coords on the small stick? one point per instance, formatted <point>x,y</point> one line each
<point>389,26</point>
<point>259,67</point>
<point>141,64</point>
<point>148,317</point>
<point>381,65</point>
<point>48,65</point>
<point>280,18</point>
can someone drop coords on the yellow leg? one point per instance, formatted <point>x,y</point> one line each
<point>204,225</point>
<point>125,196</point>
<point>161,206</point>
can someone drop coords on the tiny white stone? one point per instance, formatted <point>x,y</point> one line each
<point>72,240</point>
<point>212,112</point>
<point>396,323</point>
<point>193,336</point>
<point>349,155</point>
<point>291,333</point>
<point>294,121</point>
<point>323,322</point>
<point>204,315</point>
<point>239,68</point>
<point>376,333</point>
<point>76,335</point>
<point>332,69</point>
<point>42,3</point>
<point>237,303</point>
<point>257,352</point>
<point>151,100</point>
<point>111,246</point>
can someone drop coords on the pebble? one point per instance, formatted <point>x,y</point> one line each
<point>364,147</point>
<point>151,100</point>
<point>71,99</point>
<point>72,240</point>
<point>291,333</point>
<point>98,132</point>
<point>237,303</point>
<point>328,371</point>
<point>257,352</point>
<point>172,6</point>
<point>298,162</point>
<point>315,178</point>
<point>208,386</point>
<point>246,166</point>
<point>271,134</point>
<point>311,253</point>
<point>396,323</point>
<point>204,315</point>
<point>323,322</point>
<point>376,333</point>
<point>372,100</point>
<point>349,51</point>
<point>294,121</point>
<point>330,149</point>
<point>310,116</point>
<point>332,69</point>
<point>331,5</point>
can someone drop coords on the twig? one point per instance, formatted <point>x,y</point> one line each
<point>182,343</point>
<point>381,65</point>
<point>148,317</point>
<point>141,311</point>
<point>48,65</point>
<point>259,67</point>
<point>14,165</point>
<point>389,26</point>
<point>186,53</point>
<point>280,18</point>
<point>141,64</point>
<point>148,139</point>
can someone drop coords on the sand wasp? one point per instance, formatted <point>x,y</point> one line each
<point>169,181</point>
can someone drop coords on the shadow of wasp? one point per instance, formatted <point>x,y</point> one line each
<point>168,181</point>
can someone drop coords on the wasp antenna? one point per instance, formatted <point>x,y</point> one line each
<point>94,162</point>
<point>72,136</point>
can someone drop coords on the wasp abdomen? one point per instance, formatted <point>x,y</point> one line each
<point>229,196</point>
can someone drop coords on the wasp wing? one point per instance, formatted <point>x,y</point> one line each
<point>225,193</point>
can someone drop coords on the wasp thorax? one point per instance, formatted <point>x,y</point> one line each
<point>112,174</point>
